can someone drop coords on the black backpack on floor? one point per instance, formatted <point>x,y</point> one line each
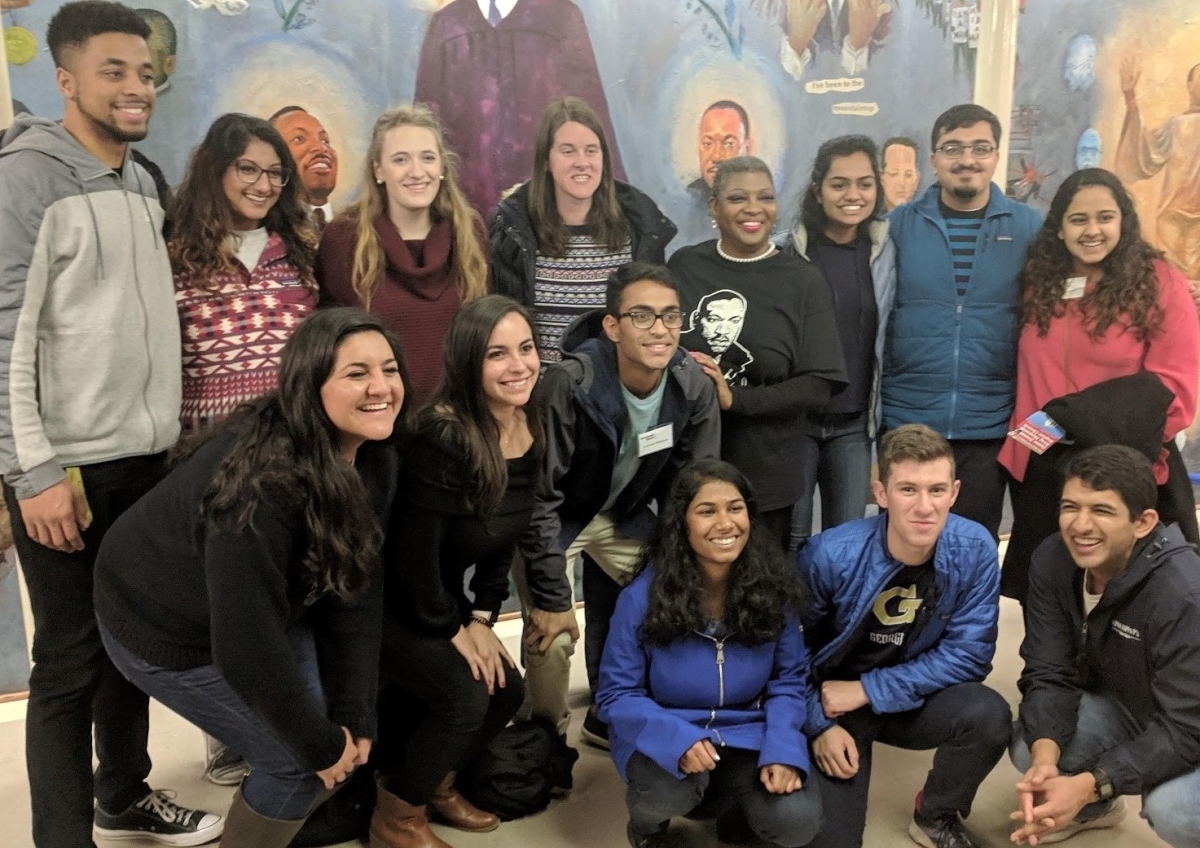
<point>526,765</point>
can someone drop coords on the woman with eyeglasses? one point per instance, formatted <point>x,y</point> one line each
<point>760,322</point>
<point>242,252</point>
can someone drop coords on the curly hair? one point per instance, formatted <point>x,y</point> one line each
<point>200,216</point>
<point>1128,292</point>
<point>285,453</point>
<point>458,413</point>
<point>762,587</point>
<point>812,212</point>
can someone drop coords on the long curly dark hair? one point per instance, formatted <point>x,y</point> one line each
<point>458,411</point>
<point>1127,293</point>
<point>762,586</point>
<point>200,216</point>
<point>285,453</point>
<point>812,213</point>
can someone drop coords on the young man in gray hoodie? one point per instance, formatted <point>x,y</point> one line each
<point>89,405</point>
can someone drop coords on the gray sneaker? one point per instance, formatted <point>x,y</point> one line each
<point>1108,816</point>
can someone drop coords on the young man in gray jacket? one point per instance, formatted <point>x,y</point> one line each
<point>89,404</point>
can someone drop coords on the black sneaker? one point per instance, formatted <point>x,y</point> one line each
<point>159,818</point>
<point>594,731</point>
<point>733,828</point>
<point>946,832</point>
<point>652,840</point>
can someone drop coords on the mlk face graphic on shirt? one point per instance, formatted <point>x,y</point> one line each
<point>714,327</point>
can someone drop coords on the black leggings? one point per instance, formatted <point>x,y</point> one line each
<point>435,717</point>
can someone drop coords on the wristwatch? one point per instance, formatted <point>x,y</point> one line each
<point>1104,785</point>
<point>487,619</point>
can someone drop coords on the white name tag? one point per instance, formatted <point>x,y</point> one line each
<point>1075,287</point>
<point>652,441</point>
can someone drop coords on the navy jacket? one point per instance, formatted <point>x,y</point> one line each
<point>847,567</point>
<point>661,701</point>
<point>950,362</point>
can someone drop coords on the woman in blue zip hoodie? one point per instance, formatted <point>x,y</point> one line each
<point>703,677</point>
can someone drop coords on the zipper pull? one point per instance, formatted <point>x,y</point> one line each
<point>721,652</point>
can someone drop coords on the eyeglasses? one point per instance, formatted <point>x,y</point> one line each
<point>643,319</point>
<point>249,173</point>
<point>955,150</point>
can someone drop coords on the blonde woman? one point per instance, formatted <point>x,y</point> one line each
<point>411,250</point>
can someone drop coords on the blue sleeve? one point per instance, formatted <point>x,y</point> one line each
<point>623,694</point>
<point>819,607</point>
<point>964,652</point>
<point>783,741</point>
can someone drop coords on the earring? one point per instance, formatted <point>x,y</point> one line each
<point>713,223</point>
<point>378,181</point>
<point>441,176</point>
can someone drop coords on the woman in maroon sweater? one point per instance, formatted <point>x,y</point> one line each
<point>411,250</point>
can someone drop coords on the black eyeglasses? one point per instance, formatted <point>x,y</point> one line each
<point>249,173</point>
<point>644,319</point>
<point>955,150</point>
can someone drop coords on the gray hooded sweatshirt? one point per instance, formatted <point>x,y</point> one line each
<point>89,333</point>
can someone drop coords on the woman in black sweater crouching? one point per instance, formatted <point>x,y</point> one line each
<point>466,495</point>
<point>243,591</point>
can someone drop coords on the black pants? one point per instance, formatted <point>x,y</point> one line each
<point>778,524</point>
<point>654,795</point>
<point>436,717</point>
<point>74,685</point>
<point>981,495</point>
<point>599,603</point>
<point>969,725</point>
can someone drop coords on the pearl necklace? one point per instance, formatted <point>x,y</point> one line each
<point>768,252</point>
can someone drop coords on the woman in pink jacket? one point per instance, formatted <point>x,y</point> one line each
<point>1099,303</point>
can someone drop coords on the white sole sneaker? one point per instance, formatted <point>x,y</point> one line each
<point>1114,815</point>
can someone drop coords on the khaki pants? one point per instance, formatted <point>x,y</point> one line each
<point>548,675</point>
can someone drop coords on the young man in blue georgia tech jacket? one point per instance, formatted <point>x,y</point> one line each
<point>902,629</point>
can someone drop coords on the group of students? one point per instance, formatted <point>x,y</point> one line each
<point>363,422</point>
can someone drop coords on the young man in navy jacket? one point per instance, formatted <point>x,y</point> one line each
<point>902,629</point>
<point>1111,686</point>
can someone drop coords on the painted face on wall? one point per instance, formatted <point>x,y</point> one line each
<point>723,136</point>
<point>316,160</point>
<point>1087,151</point>
<point>163,44</point>
<point>1079,68</point>
<point>900,176</point>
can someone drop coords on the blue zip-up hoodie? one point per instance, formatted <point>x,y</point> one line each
<point>663,700</point>
<point>848,566</point>
<point>950,362</point>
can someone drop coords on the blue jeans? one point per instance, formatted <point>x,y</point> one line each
<point>837,457</point>
<point>279,786</point>
<point>1172,808</point>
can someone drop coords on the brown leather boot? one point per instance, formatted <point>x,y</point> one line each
<point>398,824</point>
<point>450,807</point>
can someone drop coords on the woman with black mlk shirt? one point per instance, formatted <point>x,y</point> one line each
<point>761,325</point>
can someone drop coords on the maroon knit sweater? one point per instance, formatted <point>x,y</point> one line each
<point>416,299</point>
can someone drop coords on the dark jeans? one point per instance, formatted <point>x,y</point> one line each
<point>778,524</point>
<point>837,458</point>
<point>599,603</point>
<point>969,725</point>
<point>981,495</point>
<point>279,786</point>
<point>655,795</point>
<point>444,716</point>
<point>73,685</point>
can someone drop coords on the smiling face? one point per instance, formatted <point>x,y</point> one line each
<point>510,364</point>
<point>900,174</point>
<point>718,525</point>
<point>848,194</point>
<point>643,354</point>
<point>316,160</point>
<point>249,203</point>
<point>363,393</point>
<point>576,164</point>
<point>411,167</point>
<point>918,497</point>
<point>109,87</point>
<point>965,179</point>
<point>1098,529</point>
<point>722,136</point>
<point>1091,228</point>
<point>745,213</point>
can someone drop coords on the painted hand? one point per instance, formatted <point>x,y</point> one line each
<point>863,18</point>
<point>803,17</point>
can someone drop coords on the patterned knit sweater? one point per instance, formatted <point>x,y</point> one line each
<point>233,334</point>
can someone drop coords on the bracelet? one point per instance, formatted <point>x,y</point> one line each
<point>486,621</point>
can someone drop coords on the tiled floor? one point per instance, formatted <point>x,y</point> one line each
<point>594,815</point>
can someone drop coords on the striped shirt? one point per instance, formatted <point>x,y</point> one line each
<point>567,287</point>
<point>963,228</point>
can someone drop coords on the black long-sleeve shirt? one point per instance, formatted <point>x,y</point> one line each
<point>180,595</point>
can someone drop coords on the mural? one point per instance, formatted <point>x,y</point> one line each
<point>681,84</point>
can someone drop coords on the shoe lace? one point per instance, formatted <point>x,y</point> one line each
<point>160,803</point>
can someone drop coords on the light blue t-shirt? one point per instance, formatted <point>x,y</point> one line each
<point>643,416</point>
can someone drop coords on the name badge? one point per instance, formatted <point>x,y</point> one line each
<point>1075,287</point>
<point>652,441</point>
<point>1039,432</point>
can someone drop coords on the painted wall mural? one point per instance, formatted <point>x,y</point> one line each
<point>683,83</point>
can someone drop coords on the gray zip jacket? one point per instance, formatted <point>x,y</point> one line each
<point>89,333</point>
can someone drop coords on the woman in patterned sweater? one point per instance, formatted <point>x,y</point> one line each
<point>242,252</point>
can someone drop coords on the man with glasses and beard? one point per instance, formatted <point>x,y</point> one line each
<point>89,404</point>
<point>950,357</point>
